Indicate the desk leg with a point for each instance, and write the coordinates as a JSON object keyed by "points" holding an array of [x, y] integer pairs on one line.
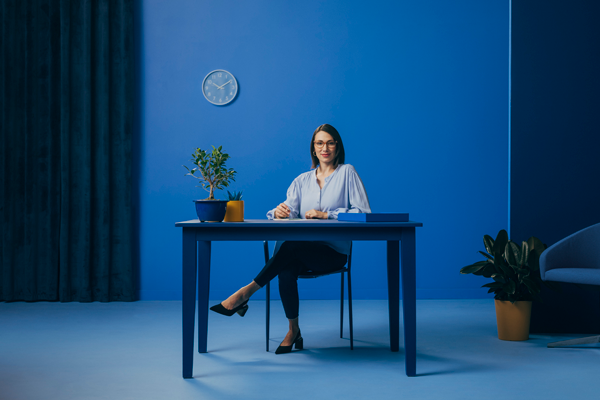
{"points": [[393, 277], [189, 300], [203, 288], [409, 299]]}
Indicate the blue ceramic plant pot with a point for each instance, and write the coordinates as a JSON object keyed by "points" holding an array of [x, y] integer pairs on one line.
{"points": [[211, 210]]}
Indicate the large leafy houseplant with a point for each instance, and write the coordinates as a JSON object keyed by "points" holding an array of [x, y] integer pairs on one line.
{"points": [[210, 170], [514, 269]]}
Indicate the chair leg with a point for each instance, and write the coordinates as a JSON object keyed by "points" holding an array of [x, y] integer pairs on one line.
{"points": [[342, 308], [571, 342], [268, 316], [350, 311], [268, 293]]}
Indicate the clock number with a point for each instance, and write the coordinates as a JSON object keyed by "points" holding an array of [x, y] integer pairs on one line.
{"points": [[209, 81], [214, 97], [220, 100], [226, 97], [231, 93], [220, 75], [209, 93], [226, 76]]}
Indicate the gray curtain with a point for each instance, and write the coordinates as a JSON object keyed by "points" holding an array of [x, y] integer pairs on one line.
{"points": [[66, 100]]}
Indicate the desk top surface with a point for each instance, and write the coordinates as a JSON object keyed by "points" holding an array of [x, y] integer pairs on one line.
{"points": [[299, 223]]}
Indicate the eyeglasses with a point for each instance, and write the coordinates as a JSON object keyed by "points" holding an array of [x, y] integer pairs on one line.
{"points": [[330, 144]]}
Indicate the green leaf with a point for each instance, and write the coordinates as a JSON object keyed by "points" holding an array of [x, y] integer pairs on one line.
{"points": [[500, 244], [486, 255], [533, 286], [488, 243], [524, 253], [523, 273], [469, 269], [510, 287], [503, 268], [495, 285], [512, 253], [536, 246], [537, 297], [212, 168], [535, 243], [488, 270]]}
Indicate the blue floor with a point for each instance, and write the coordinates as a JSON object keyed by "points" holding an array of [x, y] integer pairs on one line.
{"points": [[122, 351]]}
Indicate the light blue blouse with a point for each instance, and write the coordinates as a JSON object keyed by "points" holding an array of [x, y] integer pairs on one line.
{"points": [[343, 192]]}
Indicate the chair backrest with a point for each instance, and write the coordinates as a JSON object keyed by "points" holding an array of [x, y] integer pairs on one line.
{"points": [[578, 250]]}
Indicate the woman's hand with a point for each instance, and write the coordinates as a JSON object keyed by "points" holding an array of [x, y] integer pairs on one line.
{"points": [[314, 214], [282, 211]]}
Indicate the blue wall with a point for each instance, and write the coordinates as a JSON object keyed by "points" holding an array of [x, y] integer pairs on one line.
{"points": [[555, 130], [555, 141], [418, 91]]}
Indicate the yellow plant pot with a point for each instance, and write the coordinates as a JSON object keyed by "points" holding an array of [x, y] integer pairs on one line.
{"points": [[235, 211], [513, 319]]}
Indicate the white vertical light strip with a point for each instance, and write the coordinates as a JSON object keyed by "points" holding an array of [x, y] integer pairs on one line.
{"points": [[509, 102]]}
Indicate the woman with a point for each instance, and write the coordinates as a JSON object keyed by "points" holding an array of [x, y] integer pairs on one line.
{"points": [[329, 188]]}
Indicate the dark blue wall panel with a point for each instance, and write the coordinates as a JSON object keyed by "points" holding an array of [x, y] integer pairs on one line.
{"points": [[555, 140], [418, 91]]}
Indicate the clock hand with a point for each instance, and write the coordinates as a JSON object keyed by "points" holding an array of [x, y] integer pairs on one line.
{"points": [[216, 85], [223, 85]]}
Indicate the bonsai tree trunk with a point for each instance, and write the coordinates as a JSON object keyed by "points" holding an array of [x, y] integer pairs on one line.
{"points": [[211, 196]]}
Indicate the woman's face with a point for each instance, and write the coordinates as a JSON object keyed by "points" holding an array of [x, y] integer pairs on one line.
{"points": [[327, 152]]}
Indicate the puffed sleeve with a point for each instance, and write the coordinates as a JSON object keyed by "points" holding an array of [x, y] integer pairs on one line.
{"points": [[292, 201], [359, 201]]}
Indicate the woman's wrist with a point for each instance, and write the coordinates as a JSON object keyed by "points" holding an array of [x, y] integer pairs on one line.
{"points": [[324, 215]]}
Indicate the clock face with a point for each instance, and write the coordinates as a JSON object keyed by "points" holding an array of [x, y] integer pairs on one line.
{"points": [[219, 87]]}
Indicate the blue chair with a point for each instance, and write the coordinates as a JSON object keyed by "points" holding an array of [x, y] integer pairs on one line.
{"points": [[310, 275], [575, 259]]}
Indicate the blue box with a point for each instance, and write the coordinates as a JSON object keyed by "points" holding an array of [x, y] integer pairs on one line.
{"points": [[373, 217]]}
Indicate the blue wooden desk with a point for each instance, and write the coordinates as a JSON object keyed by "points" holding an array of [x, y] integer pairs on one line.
{"points": [[197, 238]]}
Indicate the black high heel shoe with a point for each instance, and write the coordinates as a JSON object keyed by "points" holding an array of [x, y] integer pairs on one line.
{"points": [[298, 341], [241, 309]]}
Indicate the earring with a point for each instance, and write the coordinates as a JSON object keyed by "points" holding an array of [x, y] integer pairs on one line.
{"points": [[314, 153]]}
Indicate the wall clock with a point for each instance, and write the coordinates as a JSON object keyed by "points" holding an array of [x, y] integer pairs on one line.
{"points": [[219, 87]]}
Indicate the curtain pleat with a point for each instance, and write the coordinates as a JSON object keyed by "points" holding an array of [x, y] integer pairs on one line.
{"points": [[67, 113]]}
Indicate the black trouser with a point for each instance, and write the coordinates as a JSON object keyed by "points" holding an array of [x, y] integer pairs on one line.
{"points": [[298, 258]]}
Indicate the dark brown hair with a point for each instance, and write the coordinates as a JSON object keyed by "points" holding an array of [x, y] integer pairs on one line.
{"points": [[340, 154]]}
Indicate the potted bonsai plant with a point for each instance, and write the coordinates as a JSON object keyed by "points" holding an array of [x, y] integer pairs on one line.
{"points": [[235, 207], [212, 173], [516, 282]]}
